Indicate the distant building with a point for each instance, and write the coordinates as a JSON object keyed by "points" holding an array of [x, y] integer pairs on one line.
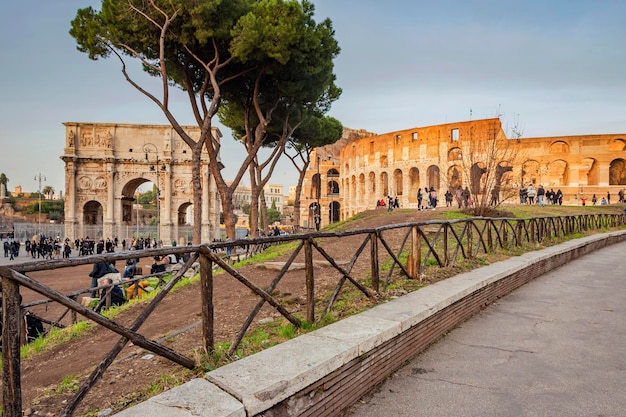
{"points": [[321, 186], [273, 194], [350, 176], [292, 194]]}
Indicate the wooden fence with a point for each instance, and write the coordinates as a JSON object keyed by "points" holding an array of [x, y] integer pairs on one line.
{"points": [[395, 250]]}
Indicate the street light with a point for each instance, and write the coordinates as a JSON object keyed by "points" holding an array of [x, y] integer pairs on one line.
{"points": [[318, 213], [319, 185], [39, 178]]}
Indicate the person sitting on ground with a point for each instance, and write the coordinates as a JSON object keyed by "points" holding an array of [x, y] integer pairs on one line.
{"points": [[117, 295], [99, 270], [158, 265], [131, 267]]}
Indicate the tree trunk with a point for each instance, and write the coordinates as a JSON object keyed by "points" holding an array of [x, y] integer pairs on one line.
{"points": [[296, 202], [263, 211], [229, 215], [254, 202], [196, 177]]}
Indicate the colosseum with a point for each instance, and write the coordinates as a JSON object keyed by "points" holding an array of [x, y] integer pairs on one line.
{"points": [[352, 175]]}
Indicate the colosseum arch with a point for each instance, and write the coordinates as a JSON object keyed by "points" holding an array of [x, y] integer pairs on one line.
{"points": [[332, 186], [361, 191], [372, 184], [105, 164], [477, 173], [334, 212], [316, 187], [455, 177], [397, 182], [559, 147], [455, 154], [530, 172], [589, 170], [558, 173], [384, 184], [617, 172], [434, 177]]}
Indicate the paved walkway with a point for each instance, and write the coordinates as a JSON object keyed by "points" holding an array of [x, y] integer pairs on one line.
{"points": [[555, 347], [18, 260]]}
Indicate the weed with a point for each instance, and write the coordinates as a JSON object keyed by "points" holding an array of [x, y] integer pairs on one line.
{"points": [[69, 384]]}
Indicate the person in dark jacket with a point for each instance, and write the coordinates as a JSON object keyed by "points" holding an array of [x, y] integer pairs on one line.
{"points": [[117, 295], [99, 270]]}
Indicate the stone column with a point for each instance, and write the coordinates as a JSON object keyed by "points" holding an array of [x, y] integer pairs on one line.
{"points": [[70, 199], [166, 210], [604, 169], [109, 220]]}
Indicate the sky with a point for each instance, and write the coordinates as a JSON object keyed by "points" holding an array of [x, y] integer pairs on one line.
{"points": [[553, 68]]}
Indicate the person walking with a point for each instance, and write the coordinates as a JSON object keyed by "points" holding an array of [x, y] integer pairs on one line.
{"points": [[448, 198], [531, 193], [459, 196], [433, 197], [420, 197], [541, 192]]}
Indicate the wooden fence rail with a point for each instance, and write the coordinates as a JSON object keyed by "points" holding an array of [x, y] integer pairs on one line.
{"points": [[399, 249]]}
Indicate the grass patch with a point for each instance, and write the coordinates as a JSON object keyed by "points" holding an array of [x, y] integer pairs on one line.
{"points": [[68, 385], [55, 337]]}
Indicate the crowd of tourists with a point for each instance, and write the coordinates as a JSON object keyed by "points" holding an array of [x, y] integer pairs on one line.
{"points": [[48, 247], [40, 247], [427, 198]]}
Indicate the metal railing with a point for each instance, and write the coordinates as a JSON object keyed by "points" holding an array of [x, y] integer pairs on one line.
{"points": [[396, 251]]}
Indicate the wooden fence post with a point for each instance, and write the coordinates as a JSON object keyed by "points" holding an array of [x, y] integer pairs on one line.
{"points": [[414, 267], [310, 281], [206, 290], [505, 236], [446, 259], [374, 261], [12, 322], [470, 249], [73, 315]]}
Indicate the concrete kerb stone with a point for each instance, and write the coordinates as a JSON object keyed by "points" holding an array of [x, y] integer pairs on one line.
{"points": [[268, 377], [260, 381], [197, 398]]}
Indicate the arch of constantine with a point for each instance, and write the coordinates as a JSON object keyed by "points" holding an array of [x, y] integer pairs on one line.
{"points": [[348, 179], [105, 164]]}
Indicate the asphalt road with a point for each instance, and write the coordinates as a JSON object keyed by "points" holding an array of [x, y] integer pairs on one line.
{"points": [[555, 347]]}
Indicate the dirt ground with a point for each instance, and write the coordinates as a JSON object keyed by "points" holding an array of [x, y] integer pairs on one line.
{"points": [[42, 376]]}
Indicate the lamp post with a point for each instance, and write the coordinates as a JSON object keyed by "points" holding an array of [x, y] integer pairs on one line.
{"points": [[318, 213], [149, 148], [39, 178]]}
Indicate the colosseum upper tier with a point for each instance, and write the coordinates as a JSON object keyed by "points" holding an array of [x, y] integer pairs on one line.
{"points": [[371, 167]]}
